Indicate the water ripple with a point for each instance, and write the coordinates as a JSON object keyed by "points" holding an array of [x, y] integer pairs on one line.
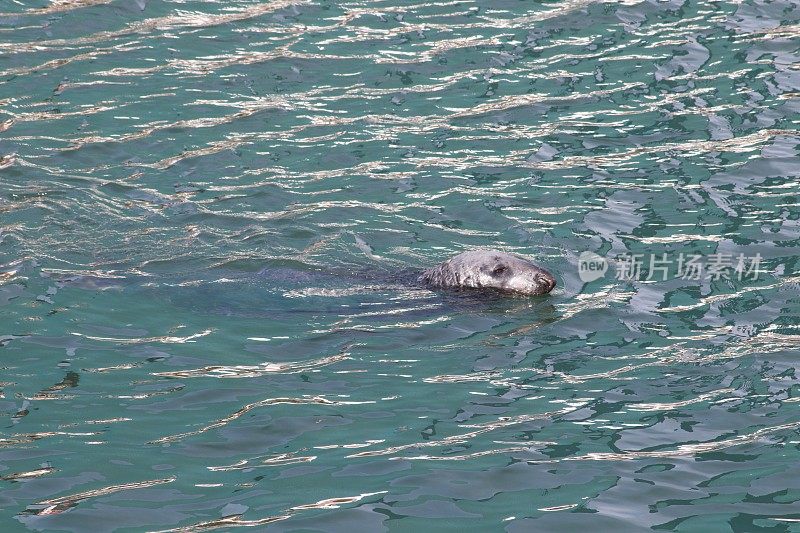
{"points": [[213, 216]]}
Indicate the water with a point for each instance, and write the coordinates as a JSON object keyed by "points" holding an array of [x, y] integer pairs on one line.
{"points": [[204, 208]]}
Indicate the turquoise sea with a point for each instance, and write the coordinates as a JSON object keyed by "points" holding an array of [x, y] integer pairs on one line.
{"points": [[211, 217]]}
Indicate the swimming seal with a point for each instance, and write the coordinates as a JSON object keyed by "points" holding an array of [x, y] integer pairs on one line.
{"points": [[490, 269]]}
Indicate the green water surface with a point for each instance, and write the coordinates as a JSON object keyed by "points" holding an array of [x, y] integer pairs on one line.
{"points": [[205, 207]]}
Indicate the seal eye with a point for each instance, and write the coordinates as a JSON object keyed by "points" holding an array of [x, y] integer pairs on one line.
{"points": [[498, 270]]}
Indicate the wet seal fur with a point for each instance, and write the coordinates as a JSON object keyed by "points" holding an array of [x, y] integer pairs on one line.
{"points": [[490, 269]]}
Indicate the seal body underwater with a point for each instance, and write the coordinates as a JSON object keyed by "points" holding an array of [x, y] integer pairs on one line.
{"points": [[320, 291], [490, 269]]}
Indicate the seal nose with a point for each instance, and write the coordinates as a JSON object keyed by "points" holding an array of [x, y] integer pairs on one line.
{"points": [[548, 281]]}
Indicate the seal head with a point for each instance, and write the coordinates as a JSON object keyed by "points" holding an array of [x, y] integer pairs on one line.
{"points": [[490, 269]]}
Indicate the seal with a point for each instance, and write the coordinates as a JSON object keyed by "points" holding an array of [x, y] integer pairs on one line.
{"points": [[490, 269]]}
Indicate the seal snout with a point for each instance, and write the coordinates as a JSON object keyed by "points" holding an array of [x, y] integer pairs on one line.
{"points": [[546, 281]]}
